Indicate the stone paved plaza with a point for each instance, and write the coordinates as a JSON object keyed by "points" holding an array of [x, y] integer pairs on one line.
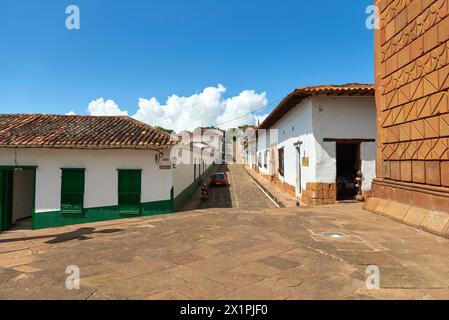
{"points": [[228, 254]]}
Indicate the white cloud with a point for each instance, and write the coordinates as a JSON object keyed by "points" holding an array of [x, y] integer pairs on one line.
{"points": [[238, 110], [70, 113], [207, 108], [101, 107]]}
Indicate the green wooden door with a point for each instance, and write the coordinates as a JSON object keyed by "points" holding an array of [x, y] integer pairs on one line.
{"points": [[129, 190], [6, 180]]}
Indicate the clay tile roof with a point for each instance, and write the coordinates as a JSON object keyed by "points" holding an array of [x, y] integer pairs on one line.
{"points": [[59, 131], [299, 95]]}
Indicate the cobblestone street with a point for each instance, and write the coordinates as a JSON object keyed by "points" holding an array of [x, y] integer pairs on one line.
{"points": [[242, 193]]}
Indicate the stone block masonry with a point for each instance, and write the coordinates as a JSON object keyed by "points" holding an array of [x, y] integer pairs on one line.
{"points": [[317, 194], [280, 185], [412, 98]]}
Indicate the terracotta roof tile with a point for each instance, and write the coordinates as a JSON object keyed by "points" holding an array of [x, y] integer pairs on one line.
{"points": [[59, 131], [299, 95]]}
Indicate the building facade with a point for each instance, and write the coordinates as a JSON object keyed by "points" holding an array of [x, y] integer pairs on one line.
{"points": [[194, 155], [62, 170], [315, 142], [412, 83], [249, 142]]}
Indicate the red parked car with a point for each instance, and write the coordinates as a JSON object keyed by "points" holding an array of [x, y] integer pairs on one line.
{"points": [[219, 179]]}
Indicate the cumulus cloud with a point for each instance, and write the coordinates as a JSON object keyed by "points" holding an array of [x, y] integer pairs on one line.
{"points": [[207, 108], [70, 113], [236, 109], [102, 107]]}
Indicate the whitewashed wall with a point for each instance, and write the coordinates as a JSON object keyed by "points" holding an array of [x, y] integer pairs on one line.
{"points": [[265, 139], [182, 177], [295, 126], [101, 178], [184, 172], [312, 121], [344, 118], [368, 155]]}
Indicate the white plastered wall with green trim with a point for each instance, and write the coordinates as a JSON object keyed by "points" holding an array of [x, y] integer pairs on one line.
{"points": [[101, 178]]}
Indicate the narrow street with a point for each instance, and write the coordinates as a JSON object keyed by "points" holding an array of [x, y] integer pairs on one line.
{"points": [[242, 192]]}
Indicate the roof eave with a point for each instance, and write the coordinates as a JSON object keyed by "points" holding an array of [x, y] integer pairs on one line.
{"points": [[87, 147], [298, 96]]}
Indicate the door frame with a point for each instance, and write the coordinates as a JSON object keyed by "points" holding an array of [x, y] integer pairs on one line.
{"points": [[5, 216]]}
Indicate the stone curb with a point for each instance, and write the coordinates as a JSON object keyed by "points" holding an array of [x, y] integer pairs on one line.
{"points": [[434, 222], [256, 180]]}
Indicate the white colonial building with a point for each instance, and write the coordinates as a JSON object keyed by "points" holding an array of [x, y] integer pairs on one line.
{"points": [[61, 170], [318, 141]]}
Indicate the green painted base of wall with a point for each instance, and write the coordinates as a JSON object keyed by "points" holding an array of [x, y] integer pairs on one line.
{"points": [[42, 220], [180, 201]]}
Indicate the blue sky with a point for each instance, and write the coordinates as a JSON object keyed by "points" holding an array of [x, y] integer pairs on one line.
{"points": [[126, 50]]}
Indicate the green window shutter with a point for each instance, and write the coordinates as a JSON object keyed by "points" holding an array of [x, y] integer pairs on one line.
{"points": [[129, 190], [72, 190]]}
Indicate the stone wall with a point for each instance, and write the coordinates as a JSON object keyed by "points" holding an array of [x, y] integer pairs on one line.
{"points": [[317, 194], [280, 185], [412, 83]]}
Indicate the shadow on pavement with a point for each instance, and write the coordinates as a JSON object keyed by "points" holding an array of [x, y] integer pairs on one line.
{"points": [[80, 234]]}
